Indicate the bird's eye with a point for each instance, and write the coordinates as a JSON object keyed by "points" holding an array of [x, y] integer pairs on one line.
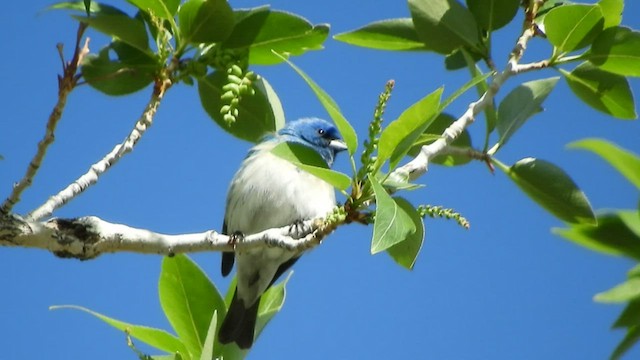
{"points": [[320, 131]]}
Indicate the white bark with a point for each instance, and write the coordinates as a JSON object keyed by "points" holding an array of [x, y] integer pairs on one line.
{"points": [[88, 237]]}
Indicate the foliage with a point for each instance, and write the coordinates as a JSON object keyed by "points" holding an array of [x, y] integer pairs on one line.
{"points": [[209, 43]]}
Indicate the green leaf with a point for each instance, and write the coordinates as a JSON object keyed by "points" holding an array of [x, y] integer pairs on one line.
{"points": [[87, 7], [445, 25], [206, 21], [256, 117], [164, 9], [391, 34], [612, 12], [520, 104], [119, 26], [627, 291], [189, 300], [392, 224], [95, 8], [263, 31], [617, 50], [626, 162], [434, 132], [456, 60], [406, 252], [398, 137], [630, 339], [271, 303], [573, 27], [133, 71], [493, 14], [157, 338], [310, 161], [602, 90], [617, 233], [553, 189], [346, 130], [630, 316], [210, 340]]}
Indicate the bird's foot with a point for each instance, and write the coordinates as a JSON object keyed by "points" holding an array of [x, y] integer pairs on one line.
{"points": [[235, 238], [298, 229]]}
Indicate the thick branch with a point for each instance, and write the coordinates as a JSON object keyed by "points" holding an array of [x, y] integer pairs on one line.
{"points": [[66, 83], [88, 237], [419, 165], [97, 169]]}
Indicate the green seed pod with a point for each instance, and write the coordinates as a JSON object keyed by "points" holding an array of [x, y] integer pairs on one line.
{"points": [[225, 109], [227, 96], [235, 102], [235, 88], [234, 79], [229, 119], [234, 112], [235, 70]]}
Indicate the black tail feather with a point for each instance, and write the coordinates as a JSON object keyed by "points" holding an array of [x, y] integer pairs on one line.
{"points": [[239, 324]]}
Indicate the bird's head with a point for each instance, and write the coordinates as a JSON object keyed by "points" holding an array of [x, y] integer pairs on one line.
{"points": [[318, 134]]}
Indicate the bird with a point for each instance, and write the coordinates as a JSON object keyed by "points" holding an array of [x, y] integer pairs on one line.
{"points": [[270, 192]]}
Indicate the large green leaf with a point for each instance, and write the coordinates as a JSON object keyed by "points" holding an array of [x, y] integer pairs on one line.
{"points": [[627, 291], [119, 26], [310, 161], [270, 304], [573, 27], [630, 339], [617, 50], [553, 189], [256, 116], [398, 137], [630, 316], [445, 25], [164, 9], [346, 130], [406, 252], [612, 12], [520, 104], [617, 233], [133, 71], [210, 340], [157, 338], [390, 34], [263, 31], [602, 90], [626, 162], [95, 7], [189, 300], [206, 21], [493, 14], [393, 224]]}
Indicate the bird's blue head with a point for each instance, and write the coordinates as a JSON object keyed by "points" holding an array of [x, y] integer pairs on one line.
{"points": [[318, 134]]}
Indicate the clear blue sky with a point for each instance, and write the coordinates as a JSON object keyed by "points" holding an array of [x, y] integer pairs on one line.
{"points": [[505, 289]]}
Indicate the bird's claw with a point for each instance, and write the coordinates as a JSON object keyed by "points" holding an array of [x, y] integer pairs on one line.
{"points": [[235, 238], [298, 229]]}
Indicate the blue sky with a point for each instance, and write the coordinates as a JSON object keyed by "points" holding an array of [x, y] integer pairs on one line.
{"points": [[505, 289]]}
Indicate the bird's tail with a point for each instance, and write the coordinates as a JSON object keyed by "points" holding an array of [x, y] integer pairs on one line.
{"points": [[239, 324]]}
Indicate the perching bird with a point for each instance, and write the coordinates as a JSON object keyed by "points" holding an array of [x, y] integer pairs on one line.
{"points": [[269, 192]]}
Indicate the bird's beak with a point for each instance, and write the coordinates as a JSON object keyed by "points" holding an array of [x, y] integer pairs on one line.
{"points": [[337, 145]]}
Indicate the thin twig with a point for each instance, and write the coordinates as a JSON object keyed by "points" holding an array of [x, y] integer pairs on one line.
{"points": [[419, 165], [97, 169], [66, 83]]}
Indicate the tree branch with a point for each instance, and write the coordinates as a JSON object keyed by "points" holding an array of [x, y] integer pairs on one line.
{"points": [[88, 237], [419, 165], [97, 169], [66, 83]]}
